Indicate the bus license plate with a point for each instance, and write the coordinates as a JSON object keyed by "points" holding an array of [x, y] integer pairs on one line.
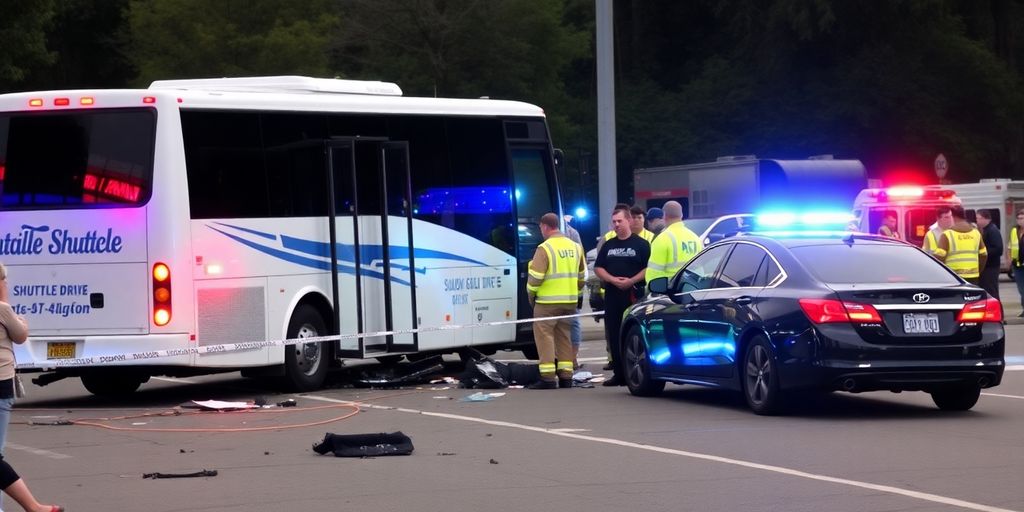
{"points": [[921, 323], [60, 350]]}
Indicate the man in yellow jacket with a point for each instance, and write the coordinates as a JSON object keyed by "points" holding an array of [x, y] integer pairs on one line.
{"points": [[943, 221], [1016, 263], [674, 246], [962, 248], [556, 277]]}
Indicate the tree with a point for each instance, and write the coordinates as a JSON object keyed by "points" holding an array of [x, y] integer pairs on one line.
{"points": [[197, 38], [23, 28]]}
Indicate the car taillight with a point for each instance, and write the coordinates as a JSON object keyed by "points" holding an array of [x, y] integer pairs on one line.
{"points": [[827, 311], [161, 294], [988, 310]]}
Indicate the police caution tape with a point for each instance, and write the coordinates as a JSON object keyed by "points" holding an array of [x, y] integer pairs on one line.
{"points": [[255, 345]]}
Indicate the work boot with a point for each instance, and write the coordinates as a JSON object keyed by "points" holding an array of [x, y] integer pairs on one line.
{"points": [[614, 381], [564, 383], [543, 384], [607, 367], [1020, 315]]}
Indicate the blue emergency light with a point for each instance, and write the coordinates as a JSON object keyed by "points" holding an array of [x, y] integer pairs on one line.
{"points": [[809, 223]]}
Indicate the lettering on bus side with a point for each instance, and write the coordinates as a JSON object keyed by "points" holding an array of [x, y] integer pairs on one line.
{"points": [[28, 241]]}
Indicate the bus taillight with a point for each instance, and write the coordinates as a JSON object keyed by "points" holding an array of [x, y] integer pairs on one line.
{"points": [[161, 294]]}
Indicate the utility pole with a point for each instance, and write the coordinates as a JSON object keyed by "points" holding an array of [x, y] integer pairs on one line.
{"points": [[607, 187]]}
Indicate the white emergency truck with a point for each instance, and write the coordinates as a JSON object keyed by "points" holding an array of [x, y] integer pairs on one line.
{"points": [[914, 207]]}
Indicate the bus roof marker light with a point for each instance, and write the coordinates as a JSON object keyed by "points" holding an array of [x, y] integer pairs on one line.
{"points": [[87, 100], [61, 102], [149, 100], [35, 102]]}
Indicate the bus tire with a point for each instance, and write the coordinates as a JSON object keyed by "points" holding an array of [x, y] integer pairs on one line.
{"points": [[112, 385], [305, 364]]}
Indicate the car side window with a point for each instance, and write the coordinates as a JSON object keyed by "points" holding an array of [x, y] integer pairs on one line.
{"points": [[699, 273], [726, 226], [767, 274], [742, 267]]}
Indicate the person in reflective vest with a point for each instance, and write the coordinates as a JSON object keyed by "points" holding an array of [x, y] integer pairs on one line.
{"points": [[1016, 265], [636, 224], [962, 248], [943, 221], [674, 246], [556, 278], [890, 227]]}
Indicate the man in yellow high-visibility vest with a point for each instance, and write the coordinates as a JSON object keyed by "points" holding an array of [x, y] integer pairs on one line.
{"points": [[674, 246], [556, 277], [1016, 263], [962, 248], [943, 221]]}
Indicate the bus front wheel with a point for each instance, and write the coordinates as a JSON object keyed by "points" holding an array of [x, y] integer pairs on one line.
{"points": [[305, 364]]}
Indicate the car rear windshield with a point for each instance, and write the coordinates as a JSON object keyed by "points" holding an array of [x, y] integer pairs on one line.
{"points": [[76, 159], [865, 262]]}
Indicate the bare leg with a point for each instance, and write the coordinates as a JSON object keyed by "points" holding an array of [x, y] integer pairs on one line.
{"points": [[19, 491]]}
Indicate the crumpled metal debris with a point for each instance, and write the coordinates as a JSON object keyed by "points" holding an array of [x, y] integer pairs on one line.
{"points": [[401, 374]]}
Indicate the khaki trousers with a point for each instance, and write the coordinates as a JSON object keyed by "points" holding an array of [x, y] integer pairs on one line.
{"points": [[553, 341]]}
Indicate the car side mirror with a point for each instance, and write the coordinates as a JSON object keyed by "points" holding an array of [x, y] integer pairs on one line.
{"points": [[658, 286]]}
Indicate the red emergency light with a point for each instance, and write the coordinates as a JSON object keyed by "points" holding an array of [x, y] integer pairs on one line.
{"points": [[910, 193], [904, 191]]}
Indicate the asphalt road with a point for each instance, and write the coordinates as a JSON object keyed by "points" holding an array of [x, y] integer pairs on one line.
{"points": [[580, 449]]}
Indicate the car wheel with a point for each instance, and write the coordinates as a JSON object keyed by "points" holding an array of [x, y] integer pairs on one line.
{"points": [[761, 378], [305, 364], [960, 399], [638, 366]]}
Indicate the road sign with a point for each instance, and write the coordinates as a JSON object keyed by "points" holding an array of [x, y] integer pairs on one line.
{"points": [[941, 166]]}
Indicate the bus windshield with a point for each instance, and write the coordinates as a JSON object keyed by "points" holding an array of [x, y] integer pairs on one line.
{"points": [[76, 159]]}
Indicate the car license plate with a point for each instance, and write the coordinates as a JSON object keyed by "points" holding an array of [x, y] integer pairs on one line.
{"points": [[921, 323], [60, 350]]}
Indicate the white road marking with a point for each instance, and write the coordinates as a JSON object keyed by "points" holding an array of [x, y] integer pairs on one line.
{"points": [[1004, 396], [924, 496], [38, 451], [1015, 368]]}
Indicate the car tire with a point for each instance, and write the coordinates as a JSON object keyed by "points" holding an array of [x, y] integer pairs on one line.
{"points": [[305, 364], [638, 365], [959, 399], [761, 378]]}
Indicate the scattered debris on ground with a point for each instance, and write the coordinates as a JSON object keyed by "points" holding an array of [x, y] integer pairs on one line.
{"points": [[197, 474], [365, 445]]}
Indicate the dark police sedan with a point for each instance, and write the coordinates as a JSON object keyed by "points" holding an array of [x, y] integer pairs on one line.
{"points": [[768, 315]]}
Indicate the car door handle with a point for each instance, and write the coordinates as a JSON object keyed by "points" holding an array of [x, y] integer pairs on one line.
{"points": [[744, 300]]}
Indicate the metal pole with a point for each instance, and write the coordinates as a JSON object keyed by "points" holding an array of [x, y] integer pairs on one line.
{"points": [[606, 169]]}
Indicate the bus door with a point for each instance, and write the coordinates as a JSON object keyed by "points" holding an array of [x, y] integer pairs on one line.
{"points": [[372, 253]]}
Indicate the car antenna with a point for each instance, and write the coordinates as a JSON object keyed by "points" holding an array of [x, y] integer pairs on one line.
{"points": [[849, 238]]}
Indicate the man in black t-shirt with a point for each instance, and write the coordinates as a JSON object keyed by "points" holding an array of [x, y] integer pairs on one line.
{"points": [[621, 263]]}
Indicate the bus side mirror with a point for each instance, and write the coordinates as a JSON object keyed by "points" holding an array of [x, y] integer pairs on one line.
{"points": [[658, 286], [559, 156]]}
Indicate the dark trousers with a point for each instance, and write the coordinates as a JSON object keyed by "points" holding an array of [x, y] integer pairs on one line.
{"points": [[613, 310], [990, 280]]}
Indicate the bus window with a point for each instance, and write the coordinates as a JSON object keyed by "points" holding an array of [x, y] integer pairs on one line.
{"points": [[480, 183], [81, 159], [225, 165], [533, 197]]}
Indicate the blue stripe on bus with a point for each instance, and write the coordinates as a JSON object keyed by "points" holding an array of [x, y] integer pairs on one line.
{"points": [[368, 253], [247, 230], [304, 261]]}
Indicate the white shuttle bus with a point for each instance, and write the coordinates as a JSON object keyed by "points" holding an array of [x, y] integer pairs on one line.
{"points": [[202, 212]]}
